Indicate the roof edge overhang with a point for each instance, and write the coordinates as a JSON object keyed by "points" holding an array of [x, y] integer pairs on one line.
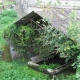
{"points": [[27, 19]]}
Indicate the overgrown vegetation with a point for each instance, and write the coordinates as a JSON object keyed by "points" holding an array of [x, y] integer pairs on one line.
{"points": [[67, 77], [74, 33], [7, 18], [54, 41], [19, 71], [21, 37], [50, 66], [46, 43], [58, 42]]}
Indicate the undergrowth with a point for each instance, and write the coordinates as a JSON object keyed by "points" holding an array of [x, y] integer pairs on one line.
{"points": [[19, 71], [67, 77], [50, 66], [7, 18]]}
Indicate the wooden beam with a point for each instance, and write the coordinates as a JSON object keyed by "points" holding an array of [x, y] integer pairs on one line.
{"points": [[50, 71], [37, 24], [37, 59]]}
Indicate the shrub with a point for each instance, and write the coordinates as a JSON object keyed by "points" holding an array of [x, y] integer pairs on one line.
{"points": [[54, 42], [7, 17], [74, 33]]}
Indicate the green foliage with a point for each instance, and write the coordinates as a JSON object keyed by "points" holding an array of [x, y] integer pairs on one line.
{"points": [[19, 71], [78, 67], [74, 33], [50, 66], [74, 28], [21, 37], [66, 77], [54, 41], [6, 53], [7, 17], [57, 42]]}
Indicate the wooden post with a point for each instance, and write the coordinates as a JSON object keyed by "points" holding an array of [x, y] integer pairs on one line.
{"points": [[53, 77], [31, 22], [3, 4]]}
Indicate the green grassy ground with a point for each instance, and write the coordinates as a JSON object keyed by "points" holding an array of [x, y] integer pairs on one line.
{"points": [[66, 75], [17, 70], [7, 17]]}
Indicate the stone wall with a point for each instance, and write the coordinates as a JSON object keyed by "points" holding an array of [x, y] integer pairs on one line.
{"points": [[32, 5], [26, 5]]}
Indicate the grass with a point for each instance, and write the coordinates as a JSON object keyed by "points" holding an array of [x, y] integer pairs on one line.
{"points": [[7, 18], [44, 66], [17, 70], [66, 76]]}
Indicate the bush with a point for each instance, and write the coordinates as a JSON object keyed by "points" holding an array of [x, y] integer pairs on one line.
{"points": [[8, 17], [74, 33], [9, 13]]}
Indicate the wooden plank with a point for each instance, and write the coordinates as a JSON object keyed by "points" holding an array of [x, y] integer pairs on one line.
{"points": [[50, 71], [37, 59], [59, 69]]}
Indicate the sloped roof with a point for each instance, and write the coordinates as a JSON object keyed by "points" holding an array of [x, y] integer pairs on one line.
{"points": [[57, 17], [27, 19]]}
